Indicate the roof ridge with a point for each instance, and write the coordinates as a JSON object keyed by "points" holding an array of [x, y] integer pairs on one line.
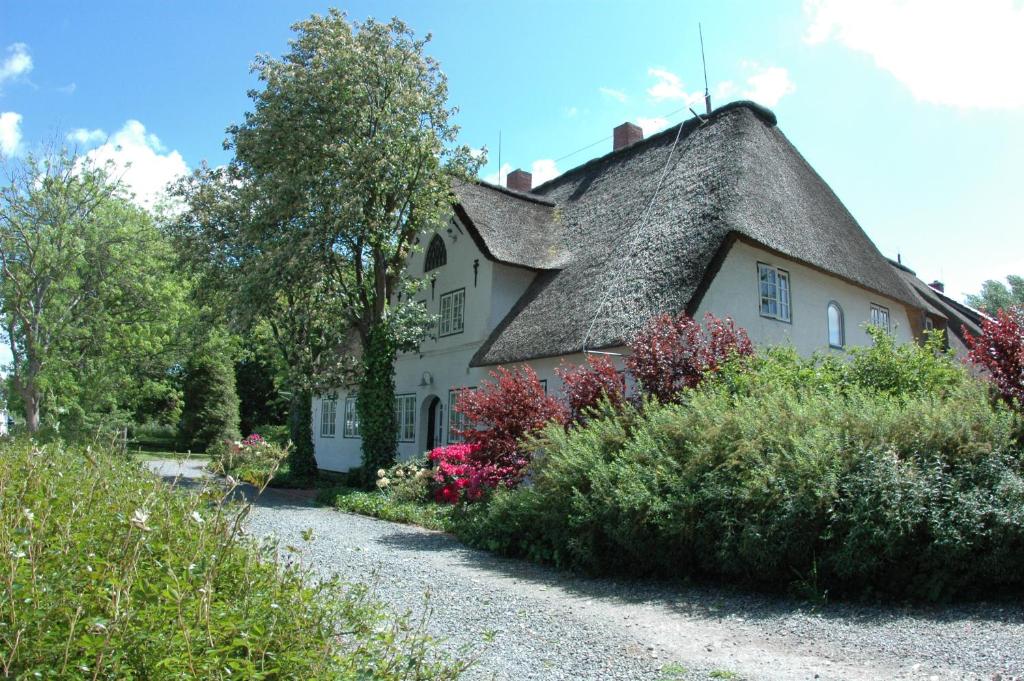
{"points": [[542, 200], [764, 114]]}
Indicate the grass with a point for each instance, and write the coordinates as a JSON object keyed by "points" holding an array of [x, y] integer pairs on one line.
{"points": [[109, 573], [378, 505], [140, 455]]}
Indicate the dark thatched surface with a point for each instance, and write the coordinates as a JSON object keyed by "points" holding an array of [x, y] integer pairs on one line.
{"points": [[516, 228], [959, 317], [737, 175]]}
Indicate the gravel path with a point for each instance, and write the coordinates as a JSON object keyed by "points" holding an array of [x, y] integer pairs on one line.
{"points": [[549, 625]]}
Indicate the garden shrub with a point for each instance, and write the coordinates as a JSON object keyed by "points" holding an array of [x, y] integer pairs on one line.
{"points": [[110, 573], [252, 460], [670, 354], [585, 386], [408, 481], [500, 414], [784, 470], [999, 350]]}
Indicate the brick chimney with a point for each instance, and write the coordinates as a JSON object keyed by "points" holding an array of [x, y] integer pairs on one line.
{"points": [[626, 134], [938, 286], [520, 180]]}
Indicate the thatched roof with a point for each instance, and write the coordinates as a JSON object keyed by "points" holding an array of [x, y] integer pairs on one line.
{"points": [[960, 319], [735, 176]]}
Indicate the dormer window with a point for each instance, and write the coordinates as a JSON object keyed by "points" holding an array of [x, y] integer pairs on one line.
{"points": [[437, 254]]}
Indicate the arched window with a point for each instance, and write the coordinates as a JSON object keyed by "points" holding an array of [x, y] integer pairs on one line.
{"points": [[836, 330], [437, 255]]}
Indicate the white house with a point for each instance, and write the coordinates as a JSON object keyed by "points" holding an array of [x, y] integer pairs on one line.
{"points": [[722, 216]]}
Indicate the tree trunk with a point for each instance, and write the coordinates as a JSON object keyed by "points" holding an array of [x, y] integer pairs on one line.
{"points": [[32, 400], [300, 426], [375, 404]]}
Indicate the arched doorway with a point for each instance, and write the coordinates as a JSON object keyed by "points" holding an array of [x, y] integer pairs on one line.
{"points": [[435, 422]]}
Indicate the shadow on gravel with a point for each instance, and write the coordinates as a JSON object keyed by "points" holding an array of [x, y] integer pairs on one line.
{"points": [[703, 601]]}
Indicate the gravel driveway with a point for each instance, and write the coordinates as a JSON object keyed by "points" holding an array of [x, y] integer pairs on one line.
{"points": [[543, 624]]}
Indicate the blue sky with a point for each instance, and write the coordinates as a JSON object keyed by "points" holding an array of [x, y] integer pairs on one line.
{"points": [[912, 111]]}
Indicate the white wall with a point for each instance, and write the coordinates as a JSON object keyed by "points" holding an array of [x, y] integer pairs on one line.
{"points": [[734, 293]]}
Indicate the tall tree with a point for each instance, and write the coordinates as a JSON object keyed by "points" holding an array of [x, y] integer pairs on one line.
{"points": [[87, 300], [252, 273], [352, 138], [995, 295], [347, 155]]}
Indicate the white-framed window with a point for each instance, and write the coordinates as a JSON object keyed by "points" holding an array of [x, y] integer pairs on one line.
{"points": [[773, 289], [456, 419], [453, 305], [328, 416], [350, 428], [880, 316], [405, 417], [836, 326]]}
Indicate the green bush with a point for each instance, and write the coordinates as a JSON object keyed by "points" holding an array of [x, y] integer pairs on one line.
{"points": [[856, 477], [210, 412], [381, 505], [109, 573], [406, 481]]}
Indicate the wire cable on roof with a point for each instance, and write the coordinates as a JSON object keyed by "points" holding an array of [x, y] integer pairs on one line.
{"points": [[638, 231], [605, 139]]}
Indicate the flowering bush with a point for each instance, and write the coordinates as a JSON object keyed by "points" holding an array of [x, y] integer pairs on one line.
{"points": [[1000, 351], [499, 415], [406, 481], [673, 353], [252, 460], [461, 474], [586, 384]]}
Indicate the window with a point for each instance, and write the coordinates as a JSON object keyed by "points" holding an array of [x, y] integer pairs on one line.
{"points": [[773, 286], [351, 426], [437, 254], [544, 384], [405, 417], [836, 327], [456, 419], [880, 316], [452, 307], [328, 416]]}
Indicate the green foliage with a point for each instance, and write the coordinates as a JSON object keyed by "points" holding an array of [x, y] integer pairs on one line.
{"points": [[375, 405], [995, 295], [406, 481], [109, 573], [893, 473], [301, 459], [252, 460], [89, 300], [386, 507], [210, 413]]}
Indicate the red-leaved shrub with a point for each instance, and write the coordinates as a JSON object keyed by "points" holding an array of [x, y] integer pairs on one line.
{"points": [[673, 353], [499, 414], [1000, 351], [585, 385]]}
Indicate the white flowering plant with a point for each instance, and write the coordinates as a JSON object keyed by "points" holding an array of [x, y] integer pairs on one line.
{"points": [[406, 481]]}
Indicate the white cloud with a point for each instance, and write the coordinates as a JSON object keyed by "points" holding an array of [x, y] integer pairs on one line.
{"points": [[617, 95], [652, 125], [136, 157], [571, 112], [670, 87], [495, 178], [87, 138], [543, 170], [68, 89], [724, 90], [768, 85], [948, 52], [17, 63], [10, 133]]}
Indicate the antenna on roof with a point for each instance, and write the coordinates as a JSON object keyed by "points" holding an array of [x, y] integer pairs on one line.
{"points": [[707, 92]]}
